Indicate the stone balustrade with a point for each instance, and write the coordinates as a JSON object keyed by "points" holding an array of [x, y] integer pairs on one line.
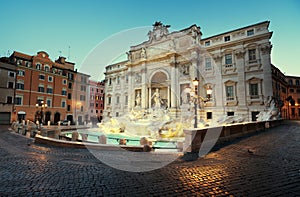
{"points": [[194, 138]]}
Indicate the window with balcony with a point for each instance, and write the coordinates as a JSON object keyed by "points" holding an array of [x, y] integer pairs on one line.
{"points": [[229, 92], [228, 59]]}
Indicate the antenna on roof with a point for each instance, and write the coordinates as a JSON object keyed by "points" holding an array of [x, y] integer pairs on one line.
{"points": [[69, 52], [8, 52]]}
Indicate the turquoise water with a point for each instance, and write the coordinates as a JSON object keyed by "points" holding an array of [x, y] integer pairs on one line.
{"points": [[113, 138]]}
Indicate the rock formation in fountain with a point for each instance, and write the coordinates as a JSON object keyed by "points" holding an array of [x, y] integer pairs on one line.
{"points": [[271, 112]]}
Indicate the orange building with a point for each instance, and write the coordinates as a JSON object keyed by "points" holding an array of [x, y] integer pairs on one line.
{"points": [[42, 88]]}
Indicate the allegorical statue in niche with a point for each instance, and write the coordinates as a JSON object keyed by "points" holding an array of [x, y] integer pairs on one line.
{"points": [[185, 95], [138, 99], [156, 98]]}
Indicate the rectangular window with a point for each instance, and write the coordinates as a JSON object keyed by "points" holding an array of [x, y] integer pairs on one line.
{"points": [[10, 85], [69, 108], [21, 73], [254, 115], [50, 78], [117, 114], [230, 113], [69, 96], [109, 100], [292, 90], [70, 76], [20, 86], [18, 100], [228, 59], [83, 88], [97, 105], [227, 38], [64, 92], [298, 101], [207, 43], [91, 104], [252, 55], [208, 115], [63, 104], [126, 100], [41, 89], [49, 90], [229, 93], [9, 99], [81, 108], [207, 63], [254, 91], [70, 85], [11, 74], [118, 99], [82, 97], [49, 102], [42, 77], [250, 32], [297, 82]]}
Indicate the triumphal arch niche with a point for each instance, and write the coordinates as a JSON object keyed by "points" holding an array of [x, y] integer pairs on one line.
{"points": [[161, 67]]}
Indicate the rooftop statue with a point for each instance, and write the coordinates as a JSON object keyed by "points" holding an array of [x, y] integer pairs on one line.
{"points": [[159, 31]]}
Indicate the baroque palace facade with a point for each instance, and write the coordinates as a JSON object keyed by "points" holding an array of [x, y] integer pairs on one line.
{"points": [[234, 70]]}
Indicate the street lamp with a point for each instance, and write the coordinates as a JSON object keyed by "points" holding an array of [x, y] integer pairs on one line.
{"points": [[196, 83], [42, 106]]}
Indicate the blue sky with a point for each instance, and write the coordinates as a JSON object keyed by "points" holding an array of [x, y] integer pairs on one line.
{"points": [[30, 26]]}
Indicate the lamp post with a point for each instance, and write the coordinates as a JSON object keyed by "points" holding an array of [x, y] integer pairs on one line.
{"points": [[196, 83], [42, 106]]}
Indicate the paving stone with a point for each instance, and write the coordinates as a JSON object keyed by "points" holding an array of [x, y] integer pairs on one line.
{"points": [[273, 170]]}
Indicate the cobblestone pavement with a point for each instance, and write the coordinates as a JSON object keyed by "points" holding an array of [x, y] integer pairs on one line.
{"points": [[272, 170]]}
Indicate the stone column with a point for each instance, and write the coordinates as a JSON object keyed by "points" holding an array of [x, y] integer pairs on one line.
{"points": [[130, 89], [267, 69], [174, 86], [144, 87], [241, 90]]}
